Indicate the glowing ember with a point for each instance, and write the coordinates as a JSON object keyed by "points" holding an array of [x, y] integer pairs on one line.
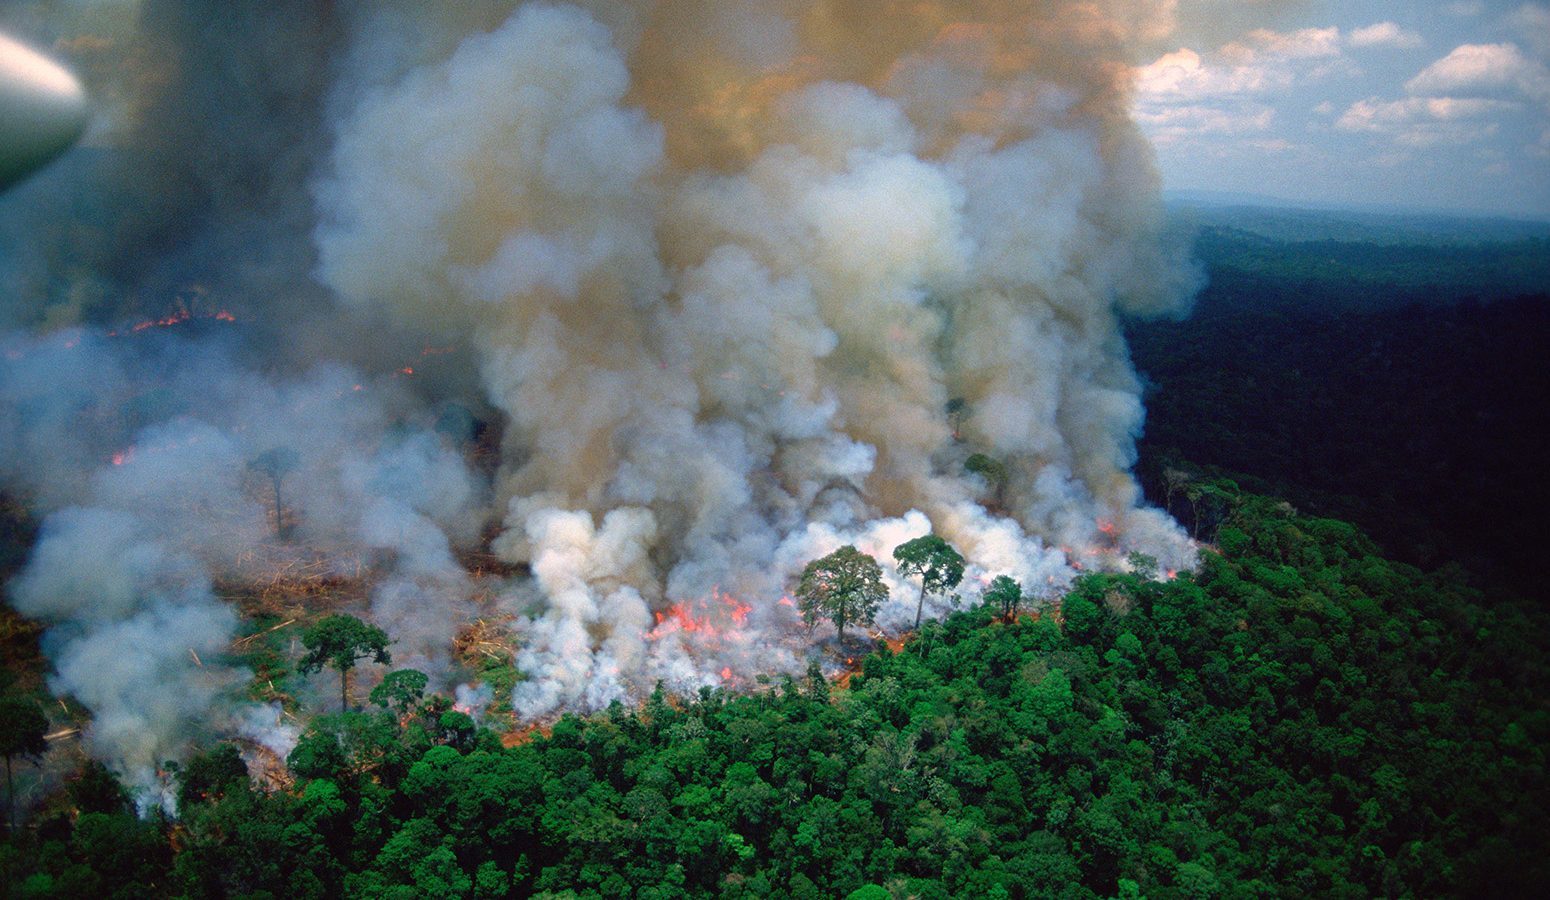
{"points": [[726, 673], [128, 454], [180, 316]]}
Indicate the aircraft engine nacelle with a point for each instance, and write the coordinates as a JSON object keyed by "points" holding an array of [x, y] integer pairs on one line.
{"points": [[42, 110]]}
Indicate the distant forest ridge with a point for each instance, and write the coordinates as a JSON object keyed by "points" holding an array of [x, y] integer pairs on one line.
{"points": [[1297, 224], [1398, 386], [1351, 262]]}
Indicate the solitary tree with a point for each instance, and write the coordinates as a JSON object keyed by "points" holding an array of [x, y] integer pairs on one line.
{"points": [[276, 463], [1005, 593], [846, 586], [339, 642], [939, 566], [22, 726]]}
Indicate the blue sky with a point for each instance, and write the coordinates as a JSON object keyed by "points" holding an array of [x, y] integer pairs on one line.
{"points": [[1426, 105]]}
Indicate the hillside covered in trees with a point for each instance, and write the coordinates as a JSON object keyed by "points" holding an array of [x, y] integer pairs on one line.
{"points": [[1300, 717], [1410, 404]]}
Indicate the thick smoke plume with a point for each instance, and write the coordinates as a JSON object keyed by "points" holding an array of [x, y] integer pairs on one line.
{"points": [[735, 283]]}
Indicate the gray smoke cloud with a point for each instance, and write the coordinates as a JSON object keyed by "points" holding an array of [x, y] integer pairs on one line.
{"points": [[156, 529], [724, 297], [734, 284]]}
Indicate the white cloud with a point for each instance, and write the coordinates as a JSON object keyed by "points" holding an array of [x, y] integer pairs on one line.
{"points": [[1264, 60], [1465, 8], [1184, 75], [1531, 23], [1171, 124], [1426, 121], [1385, 34], [1265, 45], [1374, 114], [1187, 96], [1483, 70]]}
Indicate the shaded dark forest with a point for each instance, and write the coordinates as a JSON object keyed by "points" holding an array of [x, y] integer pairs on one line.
{"points": [[1377, 384]]}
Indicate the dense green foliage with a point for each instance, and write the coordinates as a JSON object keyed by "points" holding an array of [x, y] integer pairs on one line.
{"points": [[340, 642], [1300, 717], [846, 587], [1364, 264], [939, 566], [1003, 593]]}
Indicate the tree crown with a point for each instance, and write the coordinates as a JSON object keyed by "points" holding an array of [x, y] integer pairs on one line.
{"points": [[339, 641], [939, 566], [22, 726], [847, 586], [1005, 593]]}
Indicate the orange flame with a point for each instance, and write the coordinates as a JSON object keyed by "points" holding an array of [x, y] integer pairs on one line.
{"points": [[177, 317], [708, 619]]}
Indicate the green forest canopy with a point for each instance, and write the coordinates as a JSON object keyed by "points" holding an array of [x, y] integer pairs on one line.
{"points": [[1301, 716]]}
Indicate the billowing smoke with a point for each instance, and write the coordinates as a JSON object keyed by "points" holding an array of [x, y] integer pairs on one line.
{"points": [[734, 283], [158, 528], [748, 281]]}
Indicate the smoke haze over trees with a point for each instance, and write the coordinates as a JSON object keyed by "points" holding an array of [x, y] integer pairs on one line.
{"points": [[553, 342], [648, 304]]}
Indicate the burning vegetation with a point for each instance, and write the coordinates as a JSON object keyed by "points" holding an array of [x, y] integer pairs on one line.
{"points": [[559, 345]]}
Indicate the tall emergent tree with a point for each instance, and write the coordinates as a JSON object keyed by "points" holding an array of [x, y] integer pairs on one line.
{"points": [[846, 586], [22, 726], [1005, 593], [276, 463], [939, 566], [340, 641]]}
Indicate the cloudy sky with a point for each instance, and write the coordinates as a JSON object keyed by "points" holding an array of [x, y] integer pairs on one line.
{"points": [[1432, 104], [1427, 104]]}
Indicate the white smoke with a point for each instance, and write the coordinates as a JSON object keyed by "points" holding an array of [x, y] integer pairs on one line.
{"points": [[724, 325], [735, 284], [159, 526]]}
